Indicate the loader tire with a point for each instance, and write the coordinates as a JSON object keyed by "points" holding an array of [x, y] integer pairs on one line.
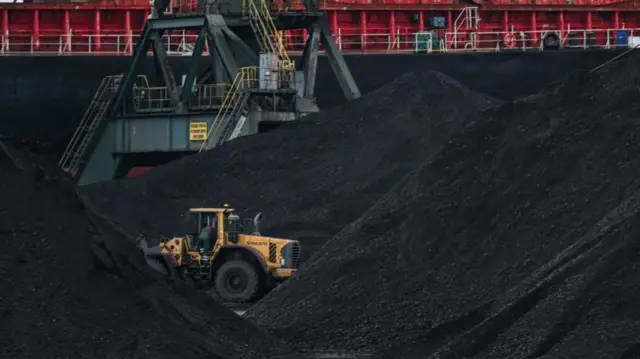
{"points": [[237, 281]]}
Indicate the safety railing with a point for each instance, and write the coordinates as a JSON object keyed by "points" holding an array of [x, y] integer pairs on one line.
{"points": [[157, 98], [77, 43], [381, 41], [247, 78], [283, 77], [270, 38], [206, 96], [260, 26], [236, 90], [541, 40], [349, 40], [73, 156], [151, 98]]}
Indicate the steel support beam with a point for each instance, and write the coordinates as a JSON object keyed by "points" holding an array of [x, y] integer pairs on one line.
{"points": [[224, 57], [160, 6], [219, 44], [309, 62], [213, 30], [124, 90], [242, 49], [187, 88], [163, 67], [177, 22], [339, 66], [152, 32], [209, 6], [311, 5], [230, 43]]}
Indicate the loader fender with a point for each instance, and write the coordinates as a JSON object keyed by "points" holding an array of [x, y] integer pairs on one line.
{"points": [[236, 252]]}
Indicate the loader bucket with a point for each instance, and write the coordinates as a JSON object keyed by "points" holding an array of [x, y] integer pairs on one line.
{"points": [[156, 260], [161, 264]]}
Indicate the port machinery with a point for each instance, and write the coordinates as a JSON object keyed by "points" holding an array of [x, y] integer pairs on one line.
{"points": [[239, 78], [111, 27]]}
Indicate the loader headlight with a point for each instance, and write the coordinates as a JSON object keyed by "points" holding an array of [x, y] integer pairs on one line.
{"points": [[282, 262]]}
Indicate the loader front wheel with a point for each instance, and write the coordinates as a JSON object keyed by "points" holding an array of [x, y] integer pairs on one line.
{"points": [[237, 281]]}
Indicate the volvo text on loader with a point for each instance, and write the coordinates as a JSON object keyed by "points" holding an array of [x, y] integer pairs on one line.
{"points": [[225, 253]]}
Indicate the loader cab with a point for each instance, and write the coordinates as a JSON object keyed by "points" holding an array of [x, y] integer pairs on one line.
{"points": [[206, 220], [222, 220]]}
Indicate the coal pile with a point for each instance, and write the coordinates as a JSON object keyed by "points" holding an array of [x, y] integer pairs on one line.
{"points": [[520, 240], [73, 287], [310, 178]]}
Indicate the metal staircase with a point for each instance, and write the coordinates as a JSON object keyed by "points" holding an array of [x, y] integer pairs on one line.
{"points": [[74, 156], [233, 106], [236, 119], [232, 114], [271, 40], [229, 120]]}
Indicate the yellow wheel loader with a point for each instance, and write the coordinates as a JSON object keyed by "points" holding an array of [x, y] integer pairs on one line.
{"points": [[225, 253]]}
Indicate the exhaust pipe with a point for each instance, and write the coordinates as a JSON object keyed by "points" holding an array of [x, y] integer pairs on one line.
{"points": [[256, 224]]}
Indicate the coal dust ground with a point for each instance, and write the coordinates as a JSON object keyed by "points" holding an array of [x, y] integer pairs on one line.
{"points": [[73, 287], [310, 178], [520, 239]]}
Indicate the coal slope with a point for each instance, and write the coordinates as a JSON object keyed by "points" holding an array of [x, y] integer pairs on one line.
{"points": [[310, 178], [521, 239], [72, 287]]}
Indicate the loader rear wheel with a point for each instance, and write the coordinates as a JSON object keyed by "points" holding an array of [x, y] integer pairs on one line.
{"points": [[237, 281]]}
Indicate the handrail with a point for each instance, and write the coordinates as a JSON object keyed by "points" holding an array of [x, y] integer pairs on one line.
{"points": [[376, 40], [267, 31], [76, 43], [94, 113], [72, 157], [247, 78], [229, 100]]}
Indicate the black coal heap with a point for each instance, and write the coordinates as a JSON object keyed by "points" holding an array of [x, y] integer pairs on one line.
{"points": [[521, 238], [72, 286]]}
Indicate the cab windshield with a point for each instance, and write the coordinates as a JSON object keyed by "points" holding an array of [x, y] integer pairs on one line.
{"points": [[207, 220]]}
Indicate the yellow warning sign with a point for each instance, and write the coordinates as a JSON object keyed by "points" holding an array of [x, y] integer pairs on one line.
{"points": [[197, 131]]}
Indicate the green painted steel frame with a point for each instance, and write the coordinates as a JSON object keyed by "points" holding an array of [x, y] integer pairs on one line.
{"points": [[131, 135], [157, 27], [121, 135]]}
